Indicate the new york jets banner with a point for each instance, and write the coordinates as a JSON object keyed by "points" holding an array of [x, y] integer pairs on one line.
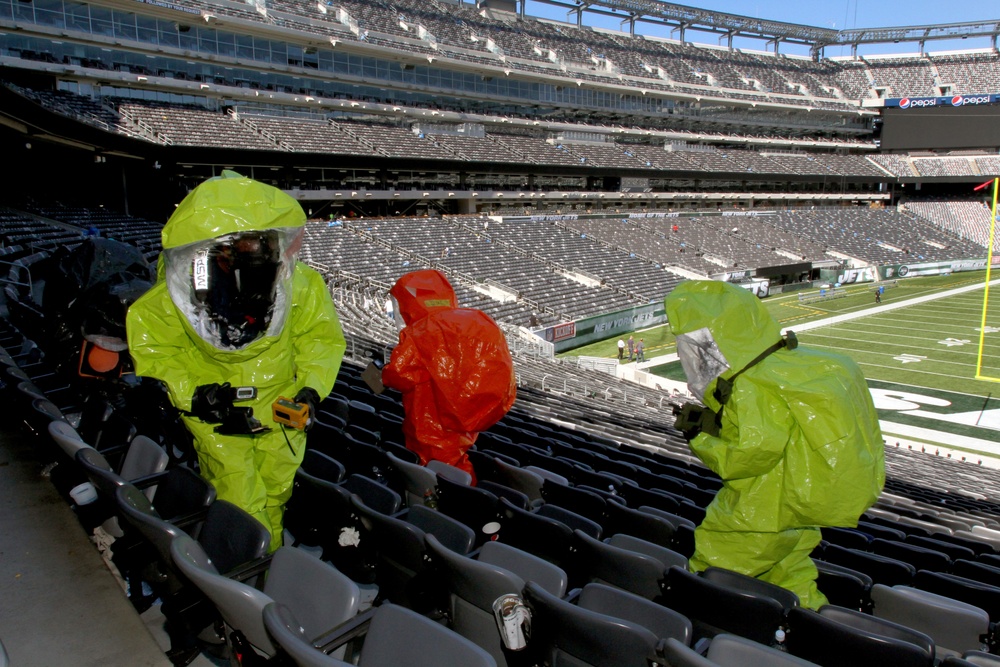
{"points": [[568, 335], [891, 271]]}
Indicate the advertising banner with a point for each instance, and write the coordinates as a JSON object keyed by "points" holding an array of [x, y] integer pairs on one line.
{"points": [[947, 101], [930, 268], [568, 335]]}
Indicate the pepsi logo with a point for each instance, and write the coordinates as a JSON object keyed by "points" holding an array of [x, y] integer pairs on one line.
{"points": [[957, 101], [906, 102]]}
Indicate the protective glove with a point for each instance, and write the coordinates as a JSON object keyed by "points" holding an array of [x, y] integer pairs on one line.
{"points": [[692, 419], [211, 403], [310, 397]]}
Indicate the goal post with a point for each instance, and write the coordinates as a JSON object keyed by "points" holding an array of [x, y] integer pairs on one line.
{"points": [[991, 373]]}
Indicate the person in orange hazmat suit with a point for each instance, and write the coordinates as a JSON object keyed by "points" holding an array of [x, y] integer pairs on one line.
{"points": [[452, 366]]}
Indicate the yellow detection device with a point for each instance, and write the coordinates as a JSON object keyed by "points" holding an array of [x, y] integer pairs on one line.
{"points": [[288, 412]]}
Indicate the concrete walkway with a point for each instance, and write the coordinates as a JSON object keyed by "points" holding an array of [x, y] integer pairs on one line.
{"points": [[61, 604]]}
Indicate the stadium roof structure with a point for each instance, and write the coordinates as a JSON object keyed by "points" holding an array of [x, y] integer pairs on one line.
{"points": [[682, 17]]}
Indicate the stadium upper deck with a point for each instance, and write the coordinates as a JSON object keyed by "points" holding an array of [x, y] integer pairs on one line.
{"points": [[450, 99], [440, 53]]}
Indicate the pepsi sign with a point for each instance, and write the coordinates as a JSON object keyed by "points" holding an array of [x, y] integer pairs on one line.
{"points": [[960, 100], [906, 102], [953, 101]]}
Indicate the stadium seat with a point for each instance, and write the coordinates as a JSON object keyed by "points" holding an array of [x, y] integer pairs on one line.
{"points": [[513, 496], [392, 636], [628, 569], [921, 558], [954, 626], [319, 596], [838, 637], [450, 472], [399, 543], [727, 650], [320, 465], [881, 569], [537, 534], [562, 632], [975, 593], [571, 519], [717, 608], [419, 482], [473, 585], [843, 586], [473, 506]]}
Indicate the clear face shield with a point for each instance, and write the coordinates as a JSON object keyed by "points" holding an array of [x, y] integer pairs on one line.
{"points": [[234, 289], [701, 359], [397, 317]]}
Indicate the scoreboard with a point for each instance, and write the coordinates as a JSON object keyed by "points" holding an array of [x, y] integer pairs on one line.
{"points": [[939, 123]]}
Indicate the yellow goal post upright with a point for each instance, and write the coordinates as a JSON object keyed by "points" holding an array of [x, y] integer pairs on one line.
{"points": [[986, 290]]}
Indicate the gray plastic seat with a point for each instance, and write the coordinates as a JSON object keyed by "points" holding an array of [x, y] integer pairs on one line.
{"points": [[229, 535], [399, 545], [571, 519], [678, 654], [751, 585], [143, 458], [46, 409], [526, 481], [843, 586], [566, 634], [66, 437], [419, 482], [395, 637], [661, 621], [547, 475], [666, 556], [840, 637], [474, 584], [716, 608], [621, 567], [447, 471], [318, 595], [732, 651], [675, 519], [982, 658], [954, 626]]}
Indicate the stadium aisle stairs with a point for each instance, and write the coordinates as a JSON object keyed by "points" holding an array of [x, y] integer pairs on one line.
{"points": [[59, 603]]}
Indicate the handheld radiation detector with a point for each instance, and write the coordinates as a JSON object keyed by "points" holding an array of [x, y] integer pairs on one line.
{"points": [[288, 412]]}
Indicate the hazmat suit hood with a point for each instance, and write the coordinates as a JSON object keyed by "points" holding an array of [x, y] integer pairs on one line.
{"points": [[420, 292], [720, 328], [229, 251]]}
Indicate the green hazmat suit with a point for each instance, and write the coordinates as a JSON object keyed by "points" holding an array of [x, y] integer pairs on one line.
{"points": [[798, 447], [295, 342]]}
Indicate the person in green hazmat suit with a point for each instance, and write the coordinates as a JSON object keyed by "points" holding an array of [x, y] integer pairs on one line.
{"points": [[792, 432], [232, 323]]}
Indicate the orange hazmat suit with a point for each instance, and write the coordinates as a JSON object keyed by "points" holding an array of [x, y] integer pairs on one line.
{"points": [[452, 366]]}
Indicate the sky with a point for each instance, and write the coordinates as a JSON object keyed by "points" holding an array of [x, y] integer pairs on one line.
{"points": [[836, 14]]}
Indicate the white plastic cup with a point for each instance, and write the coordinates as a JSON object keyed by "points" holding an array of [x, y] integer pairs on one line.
{"points": [[83, 494]]}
